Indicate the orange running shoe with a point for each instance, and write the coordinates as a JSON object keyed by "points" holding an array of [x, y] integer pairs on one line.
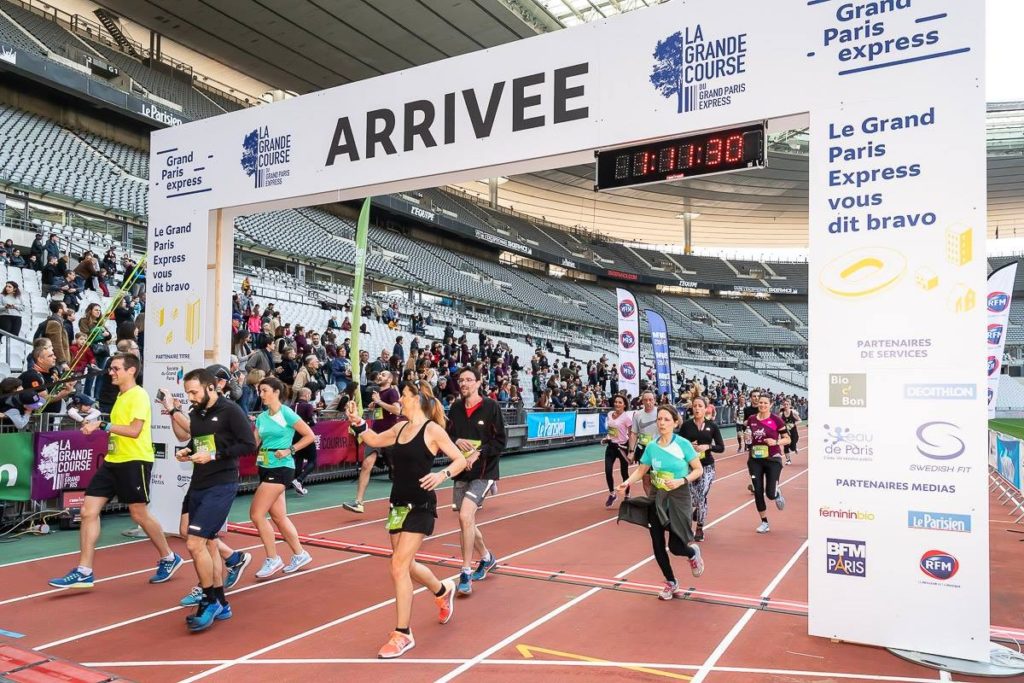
{"points": [[446, 603], [398, 644]]}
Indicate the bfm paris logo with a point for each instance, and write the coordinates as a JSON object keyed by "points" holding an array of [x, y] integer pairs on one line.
{"points": [[264, 155], [998, 301], [627, 339], [846, 557], [995, 334], [627, 308], [686, 64]]}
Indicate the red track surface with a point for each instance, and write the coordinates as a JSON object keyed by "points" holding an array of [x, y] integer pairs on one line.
{"points": [[329, 619]]}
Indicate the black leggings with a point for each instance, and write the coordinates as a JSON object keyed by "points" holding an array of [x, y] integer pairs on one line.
{"points": [[675, 544], [764, 473], [791, 447], [612, 453], [11, 323], [305, 460]]}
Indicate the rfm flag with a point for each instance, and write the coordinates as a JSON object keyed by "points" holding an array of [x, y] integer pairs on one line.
{"points": [[629, 342], [662, 361], [1000, 292]]}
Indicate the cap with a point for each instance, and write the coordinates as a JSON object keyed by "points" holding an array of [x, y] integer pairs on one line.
{"points": [[219, 371], [30, 399], [83, 399]]}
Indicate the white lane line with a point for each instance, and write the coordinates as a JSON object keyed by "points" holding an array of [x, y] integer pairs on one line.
{"points": [[713, 658], [158, 613]]}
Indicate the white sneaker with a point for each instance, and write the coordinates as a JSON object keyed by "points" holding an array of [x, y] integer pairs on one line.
{"points": [[780, 502], [298, 562], [762, 528], [697, 563], [299, 488], [271, 566]]}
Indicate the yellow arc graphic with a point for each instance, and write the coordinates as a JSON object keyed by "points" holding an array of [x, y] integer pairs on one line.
{"points": [[528, 651], [863, 272]]}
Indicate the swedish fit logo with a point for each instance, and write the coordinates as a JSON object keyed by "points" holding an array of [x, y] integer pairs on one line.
{"points": [[627, 307], [939, 441], [845, 557], [993, 365], [998, 301], [938, 521], [686, 65], [938, 564], [628, 370], [266, 157], [848, 390], [995, 334], [628, 339]]}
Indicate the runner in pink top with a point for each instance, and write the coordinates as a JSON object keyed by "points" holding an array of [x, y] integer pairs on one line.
{"points": [[619, 424], [767, 434]]}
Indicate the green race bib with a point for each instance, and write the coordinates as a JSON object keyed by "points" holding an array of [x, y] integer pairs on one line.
{"points": [[396, 517], [659, 479], [378, 414], [644, 439], [760, 451], [205, 444], [613, 432], [476, 446]]}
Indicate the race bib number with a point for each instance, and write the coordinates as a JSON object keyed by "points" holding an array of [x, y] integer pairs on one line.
{"points": [[206, 444], [476, 446], [396, 517], [760, 451], [263, 458], [613, 432], [378, 414], [660, 479], [644, 439]]}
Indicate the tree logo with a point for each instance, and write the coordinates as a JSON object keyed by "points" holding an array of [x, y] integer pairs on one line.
{"points": [[266, 158], [686, 66]]}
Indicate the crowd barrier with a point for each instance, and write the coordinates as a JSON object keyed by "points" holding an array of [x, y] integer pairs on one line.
{"points": [[1004, 460]]}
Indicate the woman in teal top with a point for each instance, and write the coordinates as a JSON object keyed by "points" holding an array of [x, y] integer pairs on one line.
{"points": [[275, 429], [674, 465]]}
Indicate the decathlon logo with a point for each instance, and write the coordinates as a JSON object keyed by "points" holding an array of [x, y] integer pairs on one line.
{"points": [[940, 441], [687, 65], [845, 557], [998, 301], [627, 307], [628, 340], [266, 157], [628, 370], [938, 564], [995, 334]]}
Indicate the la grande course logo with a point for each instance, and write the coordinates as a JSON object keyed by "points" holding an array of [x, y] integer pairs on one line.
{"points": [[266, 158], [686, 65]]}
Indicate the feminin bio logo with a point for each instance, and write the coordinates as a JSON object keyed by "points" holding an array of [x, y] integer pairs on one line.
{"points": [[845, 557], [686, 65], [266, 157]]}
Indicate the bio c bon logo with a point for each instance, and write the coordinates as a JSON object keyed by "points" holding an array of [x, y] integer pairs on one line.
{"points": [[938, 564], [995, 334], [938, 440], [628, 340], [998, 301], [627, 307], [628, 371]]}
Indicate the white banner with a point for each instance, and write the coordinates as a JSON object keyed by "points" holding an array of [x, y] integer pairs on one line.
{"points": [[898, 522], [1000, 296], [588, 424], [629, 342]]}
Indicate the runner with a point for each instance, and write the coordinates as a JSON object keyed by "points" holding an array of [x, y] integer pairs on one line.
{"points": [[792, 419], [673, 465], [620, 428], [413, 502], [645, 429], [275, 428], [476, 425], [706, 437], [749, 411], [124, 474], [305, 459], [741, 421], [233, 562], [218, 434], [766, 432], [385, 403]]}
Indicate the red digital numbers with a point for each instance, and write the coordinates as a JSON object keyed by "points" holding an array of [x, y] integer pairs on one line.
{"points": [[714, 155], [644, 163], [734, 148]]}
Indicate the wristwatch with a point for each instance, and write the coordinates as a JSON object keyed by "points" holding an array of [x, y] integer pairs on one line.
{"points": [[446, 473], [291, 450], [105, 426]]}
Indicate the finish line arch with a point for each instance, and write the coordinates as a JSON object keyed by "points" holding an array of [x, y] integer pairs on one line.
{"points": [[895, 99]]}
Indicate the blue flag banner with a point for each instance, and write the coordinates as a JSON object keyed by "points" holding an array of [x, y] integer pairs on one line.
{"points": [[662, 361]]}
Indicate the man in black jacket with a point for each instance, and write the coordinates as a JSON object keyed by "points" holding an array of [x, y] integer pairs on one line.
{"points": [[476, 426], [218, 435]]}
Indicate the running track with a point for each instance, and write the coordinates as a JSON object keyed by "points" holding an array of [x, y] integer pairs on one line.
{"points": [[329, 619]]}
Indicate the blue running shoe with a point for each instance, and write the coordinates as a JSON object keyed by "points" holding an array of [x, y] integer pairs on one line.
{"points": [[193, 598], [165, 569], [465, 583], [205, 617], [483, 567], [73, 579], [235, 570], [225, 613]]}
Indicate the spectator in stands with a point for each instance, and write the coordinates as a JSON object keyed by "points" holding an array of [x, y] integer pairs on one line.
{"points": [[346, 325], [86, 271], [53, 329], [240, 346], [340, 370], [50, 274], [109, 262], [250, 401], [82, 408], [288, 367], [398, 351], [301, 343], [12, 308], [33, 262], [17, 261], [317, 349], [308, 375], [543, 401], [376, 310], [52, 247], [85, 359], [378, 366], [613, 379], [69, 290], [16, 404], [37, 249], [42, 377]]}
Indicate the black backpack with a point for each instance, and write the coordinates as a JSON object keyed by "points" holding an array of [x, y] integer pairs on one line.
{"points": [[41, 330]]}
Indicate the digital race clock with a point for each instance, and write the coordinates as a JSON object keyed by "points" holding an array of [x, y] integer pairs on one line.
{"points": [[732, 149]]}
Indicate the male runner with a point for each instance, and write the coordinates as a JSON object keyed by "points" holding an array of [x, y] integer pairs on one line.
{"points": [[384, 403], [477, 427], [124, 473], [645, 428]]}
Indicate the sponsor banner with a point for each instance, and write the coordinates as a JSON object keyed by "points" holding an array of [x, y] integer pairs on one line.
{"points": [[335, 444], [628, 315], [66, 460], [550, 425], [1008, 460], [589, 424], [1000, 296], [16, 458], [662, 360]]}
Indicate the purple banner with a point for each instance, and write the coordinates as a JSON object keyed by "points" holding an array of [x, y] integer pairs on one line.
{"points": [[66, 460]]}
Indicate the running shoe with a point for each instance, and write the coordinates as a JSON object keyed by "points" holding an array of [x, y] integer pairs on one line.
{"points": [[494, 488], [446, 603], [235, 570], [298, 562], [134, 532], [271, 566], [354, 506], [780, 502], [73, 579], [750, 487], [668, 590], [789, 460], [763, 528], [165, 569], [696, 562], [483, 567], [611, 500], [193, 598], [299, 488], [698, 535], [465, 583], [225, 613], [398, 644], [205, 616]]}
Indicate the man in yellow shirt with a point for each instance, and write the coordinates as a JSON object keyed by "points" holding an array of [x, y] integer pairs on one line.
{"points": [[124, 473]]}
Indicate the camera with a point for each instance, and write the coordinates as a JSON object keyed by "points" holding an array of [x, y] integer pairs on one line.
{"points": [[160, 395]]}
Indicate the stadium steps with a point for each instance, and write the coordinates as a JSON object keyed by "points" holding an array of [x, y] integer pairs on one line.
{"points": [[791, 314], [750, 308]]}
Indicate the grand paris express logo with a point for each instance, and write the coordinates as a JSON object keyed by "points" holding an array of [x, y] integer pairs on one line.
{"points": [[700, 70]]}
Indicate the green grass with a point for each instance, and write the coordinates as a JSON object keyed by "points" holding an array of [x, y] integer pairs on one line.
{"points": [[1008, 426]]}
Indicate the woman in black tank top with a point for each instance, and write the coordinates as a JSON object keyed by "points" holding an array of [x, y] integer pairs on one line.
{"points": [[413, 446]]}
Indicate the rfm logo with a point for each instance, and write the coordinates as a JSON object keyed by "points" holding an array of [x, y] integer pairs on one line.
{"points": [[995, 334], [627, 307], [628, 340], [998, 301], [628, 370], [938, 564], [993, 365]]}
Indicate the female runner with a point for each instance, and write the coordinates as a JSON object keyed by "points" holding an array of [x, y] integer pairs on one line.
{"points": [[766, 434], [706, 437]]}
